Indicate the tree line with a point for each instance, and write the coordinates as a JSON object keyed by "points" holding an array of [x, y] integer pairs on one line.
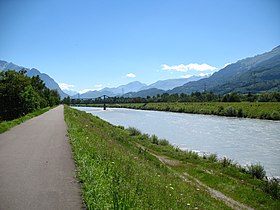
{"points": [[20, 94], [194, 97]]}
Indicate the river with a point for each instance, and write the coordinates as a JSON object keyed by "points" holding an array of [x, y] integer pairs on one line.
{"points": [[246, 141]]}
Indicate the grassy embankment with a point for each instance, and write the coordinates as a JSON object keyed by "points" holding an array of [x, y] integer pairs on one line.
{"points": [[260, 110], [6, 125], [122, 169]]}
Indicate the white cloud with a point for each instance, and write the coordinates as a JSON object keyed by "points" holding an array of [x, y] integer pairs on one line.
{"points": [[96, 87], [65, 86], [191, 66], [130, 75], [187, 76]]}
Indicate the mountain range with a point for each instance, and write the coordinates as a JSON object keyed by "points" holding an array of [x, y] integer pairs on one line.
{"points": [[137, 89], [250, 75], [49, 82], [157, 87], [254, 74]]}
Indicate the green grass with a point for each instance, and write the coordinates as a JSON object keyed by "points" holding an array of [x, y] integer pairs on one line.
{"points": [[117, 173], [260, 110], [223, 175], [6, 125]]}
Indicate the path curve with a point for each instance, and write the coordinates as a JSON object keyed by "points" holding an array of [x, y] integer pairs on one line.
{"points": [[36, 166]]}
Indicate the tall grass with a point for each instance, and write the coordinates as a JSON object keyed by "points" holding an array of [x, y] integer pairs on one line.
{"points": [[272, 187], [117, 174], [118, 171], [221, 174], [257, 171]]}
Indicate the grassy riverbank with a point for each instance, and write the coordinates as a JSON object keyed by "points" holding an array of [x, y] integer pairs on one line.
{"points": [[120, 168], [6, 125], [260, 110]]}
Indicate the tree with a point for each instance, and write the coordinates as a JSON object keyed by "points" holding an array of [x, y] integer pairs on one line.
{"points": [[20, 94], [54, 98], [30, 100], [66, 100], [12, 86]]}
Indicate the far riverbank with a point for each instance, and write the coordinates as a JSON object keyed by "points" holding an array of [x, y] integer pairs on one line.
{"points": [[254, 110]]}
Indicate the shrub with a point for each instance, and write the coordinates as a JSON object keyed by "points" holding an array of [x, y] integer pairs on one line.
{"points": [[230, 111], [193, 154], [272, 187], [163, 142], [226, 162], [264, 115], [154, 139], [144, 137], [133, 131], [220, 109], [213, 157], [275, 115], [240, 112], [121, 127], [257, 171]]}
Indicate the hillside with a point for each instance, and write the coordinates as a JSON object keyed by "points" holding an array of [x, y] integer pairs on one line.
{"points": [[138, 89], [130, 87], [144, 93], [172, 83], [254, 74]]}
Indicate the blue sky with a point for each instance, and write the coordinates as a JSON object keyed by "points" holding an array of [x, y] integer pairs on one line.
{"points": [[90, 44]]}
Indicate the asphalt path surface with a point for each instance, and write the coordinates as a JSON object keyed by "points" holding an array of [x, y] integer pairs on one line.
{"points": [[37, 170]]}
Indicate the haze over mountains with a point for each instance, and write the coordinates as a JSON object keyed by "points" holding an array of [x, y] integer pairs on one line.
{"points": [[254, 74], [136, 86]]}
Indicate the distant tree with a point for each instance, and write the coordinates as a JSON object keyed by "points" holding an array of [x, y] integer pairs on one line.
{"points": [[54, 98], [231, 97], [67, 100]]}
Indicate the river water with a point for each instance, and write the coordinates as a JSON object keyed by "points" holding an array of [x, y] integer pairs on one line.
{"points": [[246, 141]]}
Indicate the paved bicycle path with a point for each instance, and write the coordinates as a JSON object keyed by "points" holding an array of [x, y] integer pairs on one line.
{"points": [[36, 166]]}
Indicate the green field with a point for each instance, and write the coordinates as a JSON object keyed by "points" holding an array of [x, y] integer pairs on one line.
{"points": [[123, 169], [260, 110], [6, 125]]}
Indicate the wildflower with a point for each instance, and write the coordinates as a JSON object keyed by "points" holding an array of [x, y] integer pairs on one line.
{"points": [[171, 188], [188, 204], [197, 189], [86, 137]]}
